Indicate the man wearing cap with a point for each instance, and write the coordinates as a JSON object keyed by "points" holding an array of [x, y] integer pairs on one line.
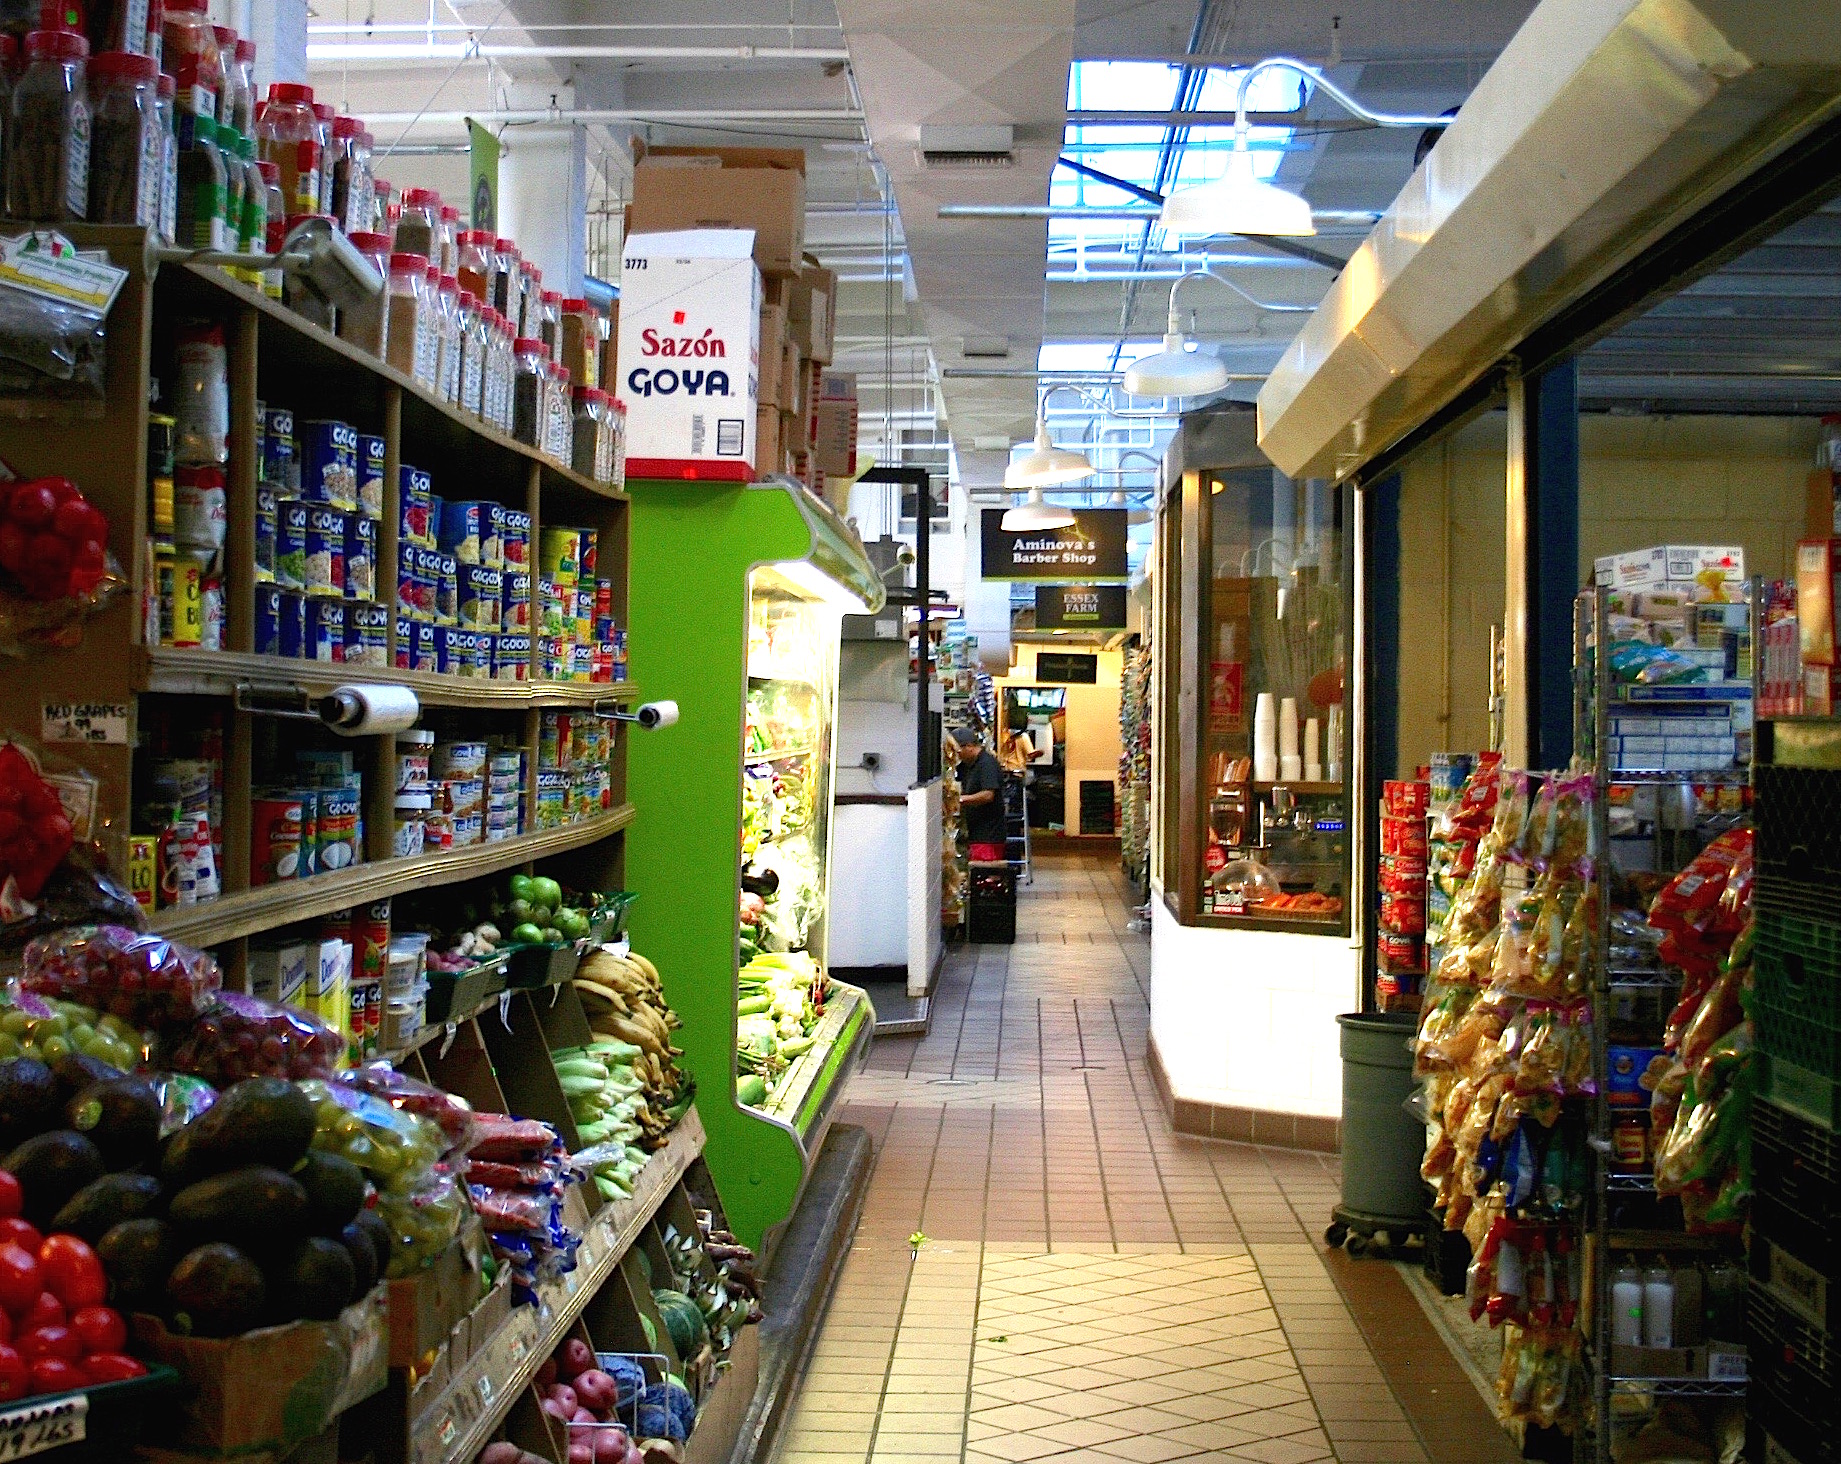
{"points": [[981, 781]]}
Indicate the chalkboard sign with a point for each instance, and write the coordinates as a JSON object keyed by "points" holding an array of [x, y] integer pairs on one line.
{"points": [[1067, 667]]}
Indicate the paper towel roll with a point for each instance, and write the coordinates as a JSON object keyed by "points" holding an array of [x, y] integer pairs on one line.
{"points": [[370, 711], [1288, 728], [1313, 756], [1265, 739]]}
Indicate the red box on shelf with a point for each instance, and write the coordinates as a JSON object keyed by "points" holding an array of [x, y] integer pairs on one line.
{"points": [[1402, 799], [1403, 874], [1403, 914], [1403, 836], [1400, 954]]}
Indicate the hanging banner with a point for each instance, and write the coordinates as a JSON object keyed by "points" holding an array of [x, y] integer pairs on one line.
{"points": [[1090, 550], [483, 173], [1080, 607]]}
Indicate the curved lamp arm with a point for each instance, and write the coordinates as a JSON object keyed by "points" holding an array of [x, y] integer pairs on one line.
{"points": [[1355, 108], [1206, 272]]}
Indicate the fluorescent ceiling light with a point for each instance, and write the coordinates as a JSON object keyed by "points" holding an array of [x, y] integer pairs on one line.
{"points": [[1176, 371], [1238, 203], [1035, 513], [1047, 465]]}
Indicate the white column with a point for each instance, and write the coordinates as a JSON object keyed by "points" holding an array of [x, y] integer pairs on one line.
{"points": [[543, 200], [279, 29]]}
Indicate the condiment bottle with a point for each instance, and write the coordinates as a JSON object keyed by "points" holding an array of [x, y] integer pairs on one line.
{"points": [[227, 68], [530, 291], [585, 431], [473, 266], [367, 325], [48, 143], [1627, 1305], [166, 94], [346, 172], [1658, 1307], [448, 386], [322, 134], [9, 66], [275, 215], [201, 189], [550, 324], [244, 118], [189, 51], [381, 222], [529, 389], [578, 331], [406, 330], [252, 235], [504, 278], [450, 240], [230, 158], [430, 375], [127, 147], [286, 136], [472, 352], [418, 225]]}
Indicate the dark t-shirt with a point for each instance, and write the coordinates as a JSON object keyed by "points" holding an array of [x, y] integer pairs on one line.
{"points": [[984, 822]]}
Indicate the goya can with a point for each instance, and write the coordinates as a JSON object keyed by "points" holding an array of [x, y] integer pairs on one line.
{"points": [[324, 573], [511, 657], [492, 535], [366, 634], [268, 620], [277, 462], [370, 476], [324, 639], [479, 592], [291, 613], [291, 543], [329, 463], [360, 557], [415, 493], [267, 528], [515, 600], [460, 530], [515, 538], [446, 574]]}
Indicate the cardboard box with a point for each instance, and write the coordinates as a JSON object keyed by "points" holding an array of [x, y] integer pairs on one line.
{"points": [[690, 324], [792, 439], [1718, 570], [259, 1395], [758, 188], [790, 378], [1818, 562], [772, 347], [768, 452], [834, 437], [811, 311], [423, 1308], [278, 973]]}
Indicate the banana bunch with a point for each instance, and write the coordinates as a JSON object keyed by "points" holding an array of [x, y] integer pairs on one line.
{"points": [[625, 1005]]}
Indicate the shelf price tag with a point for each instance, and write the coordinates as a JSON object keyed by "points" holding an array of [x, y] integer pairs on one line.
{"points": [[34, 1430], [96, 722]]}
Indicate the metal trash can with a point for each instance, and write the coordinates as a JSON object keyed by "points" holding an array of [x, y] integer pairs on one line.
{"points": [[1382, 1143]]}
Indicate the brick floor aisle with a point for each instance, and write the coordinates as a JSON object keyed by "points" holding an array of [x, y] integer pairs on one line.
{"points": [[1090, 1283]]}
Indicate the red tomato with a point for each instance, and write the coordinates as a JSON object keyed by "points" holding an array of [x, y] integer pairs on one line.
{"points": [[111, 1367], [51, 1341], [15, 1376], [72, 1272], [22, 1233], [100, 1327], [55, 1375], [11, 1199], [47, 1311], [20, 1279]]}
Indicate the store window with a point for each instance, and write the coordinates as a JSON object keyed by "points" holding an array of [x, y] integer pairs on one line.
{"points": [[1255, 827]]}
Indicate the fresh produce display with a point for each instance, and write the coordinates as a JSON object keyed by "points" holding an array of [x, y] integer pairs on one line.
{"points": [[715, 1274], [596, 1398], [239, 1036], [516, 1172], [625, 1089], [782, 998], [143, 979], [50, 1029]]}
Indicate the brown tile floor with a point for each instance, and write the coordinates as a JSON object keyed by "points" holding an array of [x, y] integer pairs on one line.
{"points": [[1088, 1282]]}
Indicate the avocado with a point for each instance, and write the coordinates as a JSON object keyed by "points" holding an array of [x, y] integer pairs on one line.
{"points": [[121, 1115], [258, 1208], [257, 1121], [104, 1203], [363, 1251], [215, 1291], [75, 1071], [29, 1099], [51, 1168], [313, 1280], [181, 1161], [335, 1191], [374, 1226], [138, 1256]]}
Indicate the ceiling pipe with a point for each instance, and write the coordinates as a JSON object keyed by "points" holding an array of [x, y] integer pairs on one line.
{"points": [[663, 117], [1019, 373], [1122, 211], [417, 27], [1102, 117], [328, 52]]}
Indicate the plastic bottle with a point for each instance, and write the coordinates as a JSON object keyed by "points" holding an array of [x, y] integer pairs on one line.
{"points": [[230, 158], [1658, 1307], [244, 119], [550, 324], [48, 139], [127, 147], [452, 337], [405, 336], [430, 374], [322, 134], [286, 136], [189, 49], [349, 165], [418, 226], [1725, 1302], [167, 94], [252, 235], [367, 325], [1627, 1305], [450, 240], [472, 344], [201, 189], [275, 214], [227, 100]]}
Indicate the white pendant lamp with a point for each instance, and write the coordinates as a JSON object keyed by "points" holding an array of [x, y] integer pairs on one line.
{"points": [[1175, 371], [1036, 513], [1047, 464], [1238, 203]]}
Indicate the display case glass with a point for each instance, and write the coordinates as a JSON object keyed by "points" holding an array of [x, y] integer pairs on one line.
{"points": [[1253, 622]]}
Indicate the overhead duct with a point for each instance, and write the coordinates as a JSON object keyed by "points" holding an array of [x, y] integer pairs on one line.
{"points": [[978, 145]]}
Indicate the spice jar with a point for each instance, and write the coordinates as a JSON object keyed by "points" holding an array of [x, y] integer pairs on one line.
{"points": [[127, 148], [275, 224], [492, 382], [450, 240], [466, 383], [529, 391], [227, 66], [406, 325], [352, 197], [49, 142], [473, 263], [165, 94], [447, 385], [189, 51], [286, 137], [9, 65], [618, 425], [366, 325], [550, 323], [252, 230], [585, 433], [530, 299], [322, 134], [201, 189], [504, 277], [243, 116], [437, 328], [338, 169], [556, 414], [229, 156], [578, 330], [381, 220], [418, 225]]}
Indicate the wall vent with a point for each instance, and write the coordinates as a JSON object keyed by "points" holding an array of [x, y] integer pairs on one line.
{"points": [[982, 145]]}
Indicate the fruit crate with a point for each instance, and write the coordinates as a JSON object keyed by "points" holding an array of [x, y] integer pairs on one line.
{"points": [[1797, 813], [1792, 1369], [1796, 976], [1796, 1183], [610, 918], [451, 996], [108, 1418], [534, 966]]}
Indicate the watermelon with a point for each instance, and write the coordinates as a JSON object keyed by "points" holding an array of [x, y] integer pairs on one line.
{"points": [[683, 1320]]}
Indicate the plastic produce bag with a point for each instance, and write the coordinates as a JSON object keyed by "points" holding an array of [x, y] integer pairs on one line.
{"points": [[423, 1221], [239, 1036], [36, 830], [48, 348], [55, 566], [182, 1099], [452, 1115], [144, 979]]}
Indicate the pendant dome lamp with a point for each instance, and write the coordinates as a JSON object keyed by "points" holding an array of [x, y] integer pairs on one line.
{"points": [[1242, 203], [1178, 371], [1036, 513]]}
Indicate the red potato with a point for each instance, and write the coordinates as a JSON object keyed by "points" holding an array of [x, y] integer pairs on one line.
{"points": [[576, 1357], [556, 1410], [634, 1454], [610, 1446], [596, 1390], [563, 1396], [581, 1454], [582, 1415]]}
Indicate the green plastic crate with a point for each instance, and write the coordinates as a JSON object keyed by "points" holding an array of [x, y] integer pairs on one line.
{"points": [[1796, 988]]}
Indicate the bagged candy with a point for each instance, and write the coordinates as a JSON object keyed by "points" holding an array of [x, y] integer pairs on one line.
{"points": [[143, 979]]}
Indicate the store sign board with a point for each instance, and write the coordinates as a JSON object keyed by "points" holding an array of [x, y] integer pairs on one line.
{"points": [[1090, 550], [1067, 668], [483, 176], [1080, 607]]}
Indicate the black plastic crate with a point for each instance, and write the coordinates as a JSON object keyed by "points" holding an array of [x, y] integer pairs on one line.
{"points": [[1796, 980], [1780, 1435], [1810, 1288], [1797, 813], [112, 1419], [1792, 1370], [1796, 1200]]}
